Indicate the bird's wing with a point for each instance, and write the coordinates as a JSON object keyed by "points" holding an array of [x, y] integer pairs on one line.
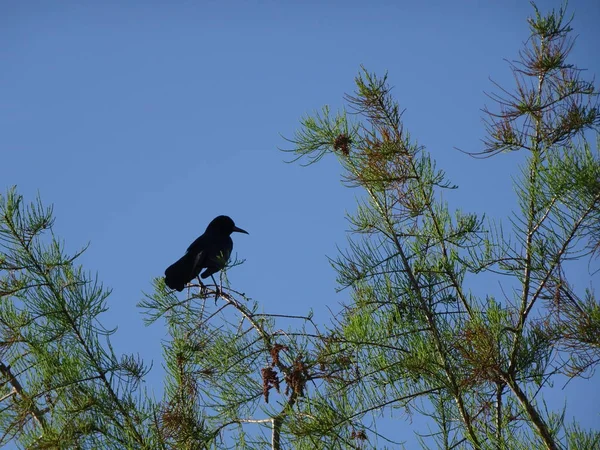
{"points": [[182, 271], [198, 244], [218, 251], [198, 251], [199, 259]]}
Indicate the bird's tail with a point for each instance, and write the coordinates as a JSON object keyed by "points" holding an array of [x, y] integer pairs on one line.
{"points": [[178, 273]]}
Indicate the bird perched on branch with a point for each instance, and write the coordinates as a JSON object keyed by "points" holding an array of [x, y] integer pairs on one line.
{"points": [[210, 251]]}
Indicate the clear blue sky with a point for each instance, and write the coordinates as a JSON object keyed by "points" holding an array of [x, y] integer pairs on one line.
{"points": [[141, 121]]}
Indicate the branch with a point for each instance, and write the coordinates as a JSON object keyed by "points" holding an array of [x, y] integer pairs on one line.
{"points": [[18, 388], [537, 420]]}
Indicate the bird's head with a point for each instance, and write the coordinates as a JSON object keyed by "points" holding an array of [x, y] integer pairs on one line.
{"points": [[225, 225]]}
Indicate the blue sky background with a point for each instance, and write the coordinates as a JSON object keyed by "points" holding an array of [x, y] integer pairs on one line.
{"points": [[141, 121]]}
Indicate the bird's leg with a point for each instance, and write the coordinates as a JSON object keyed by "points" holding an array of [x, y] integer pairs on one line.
{"points": [[202, 287], [217, 289]]}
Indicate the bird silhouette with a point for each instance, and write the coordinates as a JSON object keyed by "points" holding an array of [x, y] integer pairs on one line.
{"points": [[210, 251]]}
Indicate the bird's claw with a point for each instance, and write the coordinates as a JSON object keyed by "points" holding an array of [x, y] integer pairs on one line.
{"points": [[218, 293]]}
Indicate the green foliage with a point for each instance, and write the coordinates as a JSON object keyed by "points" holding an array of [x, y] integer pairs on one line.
{"points": [[62, 387], [230, 371]]}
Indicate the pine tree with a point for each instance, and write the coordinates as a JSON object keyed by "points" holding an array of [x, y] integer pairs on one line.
{"points": [[416, 336]]}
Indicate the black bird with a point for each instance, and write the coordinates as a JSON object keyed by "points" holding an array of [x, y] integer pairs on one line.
{"points": [[210, 251]]}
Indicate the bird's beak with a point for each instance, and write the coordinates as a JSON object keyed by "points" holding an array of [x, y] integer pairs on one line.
{"points": [[239, 230]]}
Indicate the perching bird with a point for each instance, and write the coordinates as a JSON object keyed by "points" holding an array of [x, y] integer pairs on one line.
{"points": [[210, 251]]}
